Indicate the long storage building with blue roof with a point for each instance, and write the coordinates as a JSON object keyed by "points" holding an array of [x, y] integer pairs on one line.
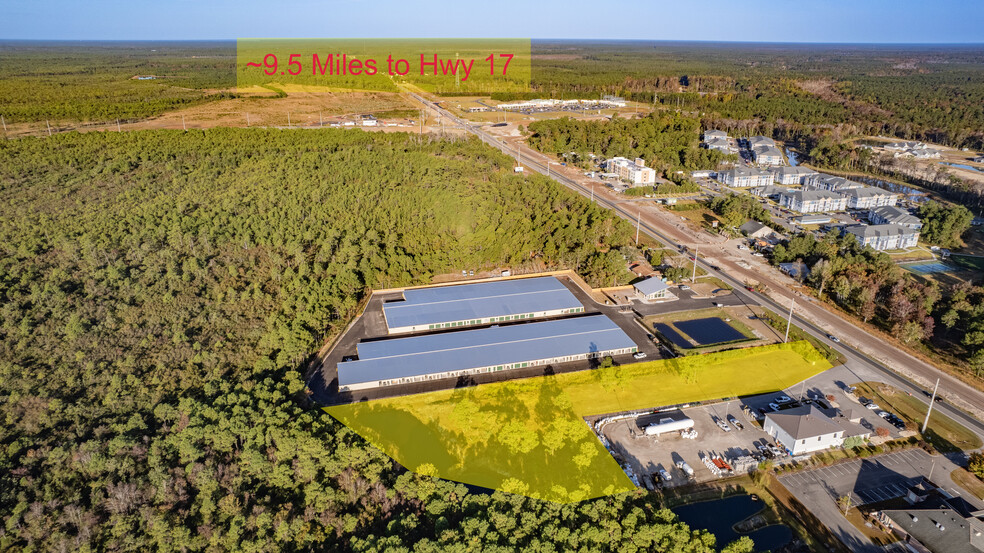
{"points": [[453, 354], [445, 307]]}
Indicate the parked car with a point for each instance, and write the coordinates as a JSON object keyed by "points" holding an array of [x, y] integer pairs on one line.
{"points": [[774, 406], [639, 355], [734, 421], [873, 406], [684, 287], [724, 426], [783, 399], [664, 475]]}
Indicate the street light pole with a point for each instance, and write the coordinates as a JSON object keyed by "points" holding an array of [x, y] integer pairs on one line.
{"points": [[929, 411], [789, 320], [696, 251]]}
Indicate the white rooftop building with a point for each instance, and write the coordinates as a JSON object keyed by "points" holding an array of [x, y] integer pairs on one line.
{"points": [[744, 177], [635, 172], [884, 237], [792, 175]]}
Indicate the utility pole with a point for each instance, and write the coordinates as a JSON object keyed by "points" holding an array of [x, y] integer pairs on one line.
{"points": [[118, 129], [638, 222], [592, 193], [288, 119], [183, 126], [321, 121], [49, 126], [789, 320], [696, 251], [2, 120], [929, 411], [247, 119]]}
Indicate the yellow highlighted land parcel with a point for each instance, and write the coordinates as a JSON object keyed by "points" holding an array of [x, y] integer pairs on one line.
{"points": [[529, 436]]}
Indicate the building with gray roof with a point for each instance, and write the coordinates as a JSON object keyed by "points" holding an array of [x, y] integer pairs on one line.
{"points": [[892, 215], [936, 521], [821, 181], [742, 177], [755, 229], [760, 141], [803, 430], [441, 307], [792, 175], [767, 155], [812, 201], [453, 354], [868, 197], [652, 288], [884, 237]]}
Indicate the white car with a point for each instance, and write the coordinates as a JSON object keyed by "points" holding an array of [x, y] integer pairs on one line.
{"points": [[684, 287], [664, 475], [724, 426], [774, 406], [639, 355], [873, 406]]}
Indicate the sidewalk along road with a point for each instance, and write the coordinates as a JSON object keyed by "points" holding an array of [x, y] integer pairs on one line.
{"points": [[898, 367]]}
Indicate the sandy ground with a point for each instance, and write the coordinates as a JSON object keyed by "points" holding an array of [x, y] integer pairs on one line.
{"points": [[255, 109]]}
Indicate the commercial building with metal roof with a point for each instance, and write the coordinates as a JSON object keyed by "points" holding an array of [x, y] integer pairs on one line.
{"points": [[652, 288], [453, 354], [442, 307]]}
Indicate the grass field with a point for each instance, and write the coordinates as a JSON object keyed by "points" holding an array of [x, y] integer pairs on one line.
{"points": [[946, 434], [529, 437], [968, 481]]}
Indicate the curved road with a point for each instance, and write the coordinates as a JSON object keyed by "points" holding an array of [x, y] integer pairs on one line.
{"points": [[854, 356]]}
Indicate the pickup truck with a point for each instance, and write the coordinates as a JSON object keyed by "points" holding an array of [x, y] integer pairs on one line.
{"points": [[734, 421]]}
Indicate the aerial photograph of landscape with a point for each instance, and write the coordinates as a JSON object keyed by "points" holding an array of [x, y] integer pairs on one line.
{"points": [[375, 276]]}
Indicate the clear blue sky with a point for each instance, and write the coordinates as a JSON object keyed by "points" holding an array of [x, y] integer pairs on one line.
{"points": [[906, 21]]}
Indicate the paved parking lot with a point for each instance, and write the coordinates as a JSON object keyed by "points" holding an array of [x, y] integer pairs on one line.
{"points": [[868, 480]]}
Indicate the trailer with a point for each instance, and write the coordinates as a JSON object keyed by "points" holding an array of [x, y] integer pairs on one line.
{"points": [[676, 422]]}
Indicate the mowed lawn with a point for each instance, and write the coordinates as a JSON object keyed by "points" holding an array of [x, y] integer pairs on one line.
{"points": [[529, 437]]}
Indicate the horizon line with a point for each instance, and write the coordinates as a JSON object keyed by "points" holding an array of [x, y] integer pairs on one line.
{"points": [[626, 40]]}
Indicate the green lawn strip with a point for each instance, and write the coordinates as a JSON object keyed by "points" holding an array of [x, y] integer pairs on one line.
{"points": [[970, 262], [796, 333], [946, 434], [968, 481]]}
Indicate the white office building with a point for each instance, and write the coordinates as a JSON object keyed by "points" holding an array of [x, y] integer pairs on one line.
{"points": [[884, 237], [744, 177], [821, 181], [812, 201], [892, 215], [792, 175], [869, 197], [634, 172], [803, 430]]}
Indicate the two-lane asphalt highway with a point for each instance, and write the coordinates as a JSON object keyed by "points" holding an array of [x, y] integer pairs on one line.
{"points": [[853, 355]]}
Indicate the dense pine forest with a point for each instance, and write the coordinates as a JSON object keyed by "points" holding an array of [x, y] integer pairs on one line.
{"points": [[161, 291], [666, 141]]}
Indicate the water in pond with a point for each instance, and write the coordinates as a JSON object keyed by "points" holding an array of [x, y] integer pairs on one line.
{"points": [[793, 162], [914, 193], [962, 166], [711, 330], [720, 515]]}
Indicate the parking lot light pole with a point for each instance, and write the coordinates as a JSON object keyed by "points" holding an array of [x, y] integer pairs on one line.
{"points": [[929, 411]]}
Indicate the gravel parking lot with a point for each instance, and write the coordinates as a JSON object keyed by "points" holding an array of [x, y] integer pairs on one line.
{"points": [[650, 454]]}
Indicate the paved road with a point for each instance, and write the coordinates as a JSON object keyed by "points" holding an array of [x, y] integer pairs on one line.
{"points": [[867, 481], [858, 345]]}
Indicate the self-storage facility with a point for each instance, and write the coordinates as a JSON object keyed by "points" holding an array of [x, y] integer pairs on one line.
{"points": [[443, 307], [484, 350]]}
